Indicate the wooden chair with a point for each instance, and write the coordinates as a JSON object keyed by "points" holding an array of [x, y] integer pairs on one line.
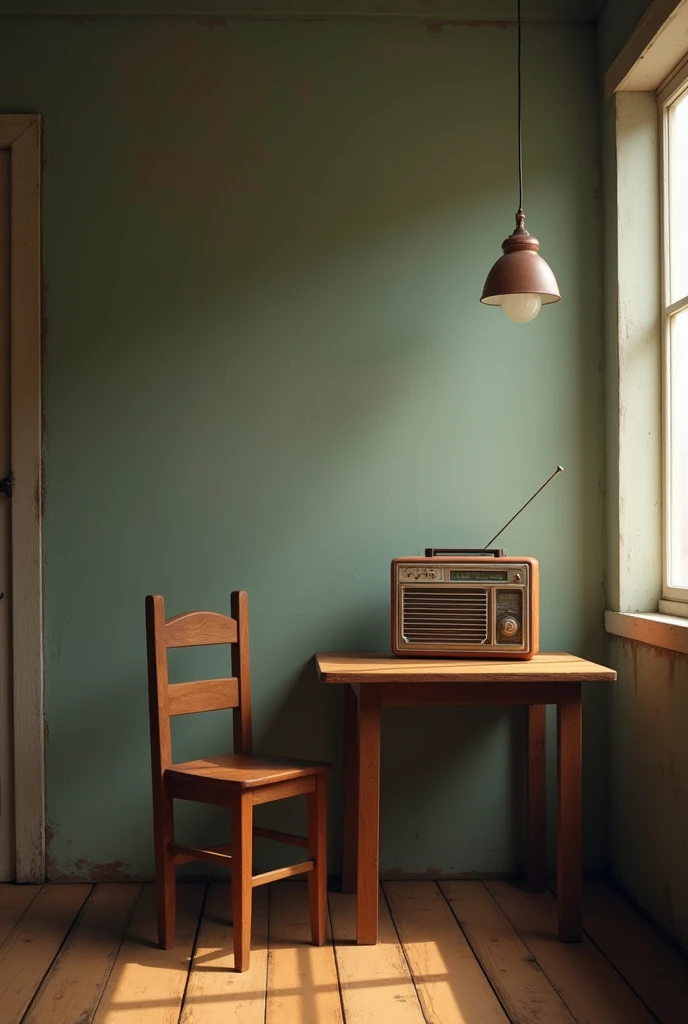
{"points": [[237, 781]]}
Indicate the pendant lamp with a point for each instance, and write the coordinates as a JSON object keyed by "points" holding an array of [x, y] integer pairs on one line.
{"points": [[520, 281]]}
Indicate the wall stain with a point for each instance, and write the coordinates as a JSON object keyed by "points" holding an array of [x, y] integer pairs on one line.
{"points": [[84, 870], [671, 660], [49, 835], [668, 657]]}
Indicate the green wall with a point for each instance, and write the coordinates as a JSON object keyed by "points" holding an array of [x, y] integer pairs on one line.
{"points": [[266, 367], [428, 10], [617, 19]]}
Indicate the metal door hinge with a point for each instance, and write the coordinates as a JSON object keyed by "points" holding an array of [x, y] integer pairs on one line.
{"points": [[6, 485]]}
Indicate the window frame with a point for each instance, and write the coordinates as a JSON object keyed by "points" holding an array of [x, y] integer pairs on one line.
{"points": [[674, 600]]}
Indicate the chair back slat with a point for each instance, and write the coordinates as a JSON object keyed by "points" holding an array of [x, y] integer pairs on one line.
{"points": [[203, 695], [195, 629]]}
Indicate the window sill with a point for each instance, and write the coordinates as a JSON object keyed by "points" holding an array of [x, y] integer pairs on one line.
{"points": [[668, 631]]}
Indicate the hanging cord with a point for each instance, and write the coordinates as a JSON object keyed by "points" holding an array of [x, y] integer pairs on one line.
{"points": [[518, 78]]}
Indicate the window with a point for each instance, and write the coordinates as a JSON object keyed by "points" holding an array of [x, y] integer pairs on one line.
{"points": [[673, 99]]}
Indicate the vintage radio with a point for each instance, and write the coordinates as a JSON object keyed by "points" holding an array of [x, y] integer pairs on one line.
{"points": [[473, 603]]}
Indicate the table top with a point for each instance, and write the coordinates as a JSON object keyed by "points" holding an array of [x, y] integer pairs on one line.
{"points": [[381, 668]]}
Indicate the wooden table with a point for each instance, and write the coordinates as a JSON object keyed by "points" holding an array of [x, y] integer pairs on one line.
{"points": [[376, 680]]}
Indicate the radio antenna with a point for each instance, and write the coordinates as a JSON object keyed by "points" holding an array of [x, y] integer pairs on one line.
{"points": [[557, 471]]}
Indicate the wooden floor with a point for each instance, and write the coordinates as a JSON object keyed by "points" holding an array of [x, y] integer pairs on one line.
{"points": [[448, 953]]}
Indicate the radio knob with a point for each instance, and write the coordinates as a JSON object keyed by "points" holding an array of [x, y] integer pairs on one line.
{"points": [[517, 577], [508, 626]]}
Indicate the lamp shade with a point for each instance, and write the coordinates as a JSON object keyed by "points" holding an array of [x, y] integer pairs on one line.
{"points": [[521, 270]]}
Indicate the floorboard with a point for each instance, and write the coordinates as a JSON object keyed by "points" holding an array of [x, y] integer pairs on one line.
{"points": [[14, 900], [586, 981], [302, 978], [451, 985], [375, 981], [449, 953], [216, 993], [523, 989], [650, 964], [32, 945], [147, 984], [73, 988]]}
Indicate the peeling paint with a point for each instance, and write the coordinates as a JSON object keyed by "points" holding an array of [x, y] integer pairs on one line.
{"points": [[83, 870]]}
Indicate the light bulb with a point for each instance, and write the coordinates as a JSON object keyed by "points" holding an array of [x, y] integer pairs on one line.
{"points": [[522, 306]]}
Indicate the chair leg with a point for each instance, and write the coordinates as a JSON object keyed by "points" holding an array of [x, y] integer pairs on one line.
{"points": [[242, 879], [317, 852], [164, 869]]}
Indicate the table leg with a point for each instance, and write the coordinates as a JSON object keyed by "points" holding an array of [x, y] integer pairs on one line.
{"points": [[350, 790], [569, 842], [537, 798], [368, 812]]}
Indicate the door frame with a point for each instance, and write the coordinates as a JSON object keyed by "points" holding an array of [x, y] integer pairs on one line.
{"points": [[21, 134]]}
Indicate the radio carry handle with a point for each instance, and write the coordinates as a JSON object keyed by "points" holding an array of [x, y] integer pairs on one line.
{"points": [[496, 552]]}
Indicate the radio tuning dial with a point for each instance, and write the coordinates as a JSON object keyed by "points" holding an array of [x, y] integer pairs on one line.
{"points": [[517, 577], [508, 626]]}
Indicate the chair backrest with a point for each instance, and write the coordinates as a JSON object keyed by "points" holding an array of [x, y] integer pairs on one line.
{"points": [[197, 629]]}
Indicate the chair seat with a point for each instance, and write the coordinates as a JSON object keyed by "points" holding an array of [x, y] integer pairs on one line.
{"points": [[243, 771]]}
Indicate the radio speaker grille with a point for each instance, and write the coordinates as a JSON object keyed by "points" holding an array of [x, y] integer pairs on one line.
{"points": [[446, 616]]}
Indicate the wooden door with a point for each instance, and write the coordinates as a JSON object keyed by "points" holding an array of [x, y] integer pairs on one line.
{"points": [[7, 867]]}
